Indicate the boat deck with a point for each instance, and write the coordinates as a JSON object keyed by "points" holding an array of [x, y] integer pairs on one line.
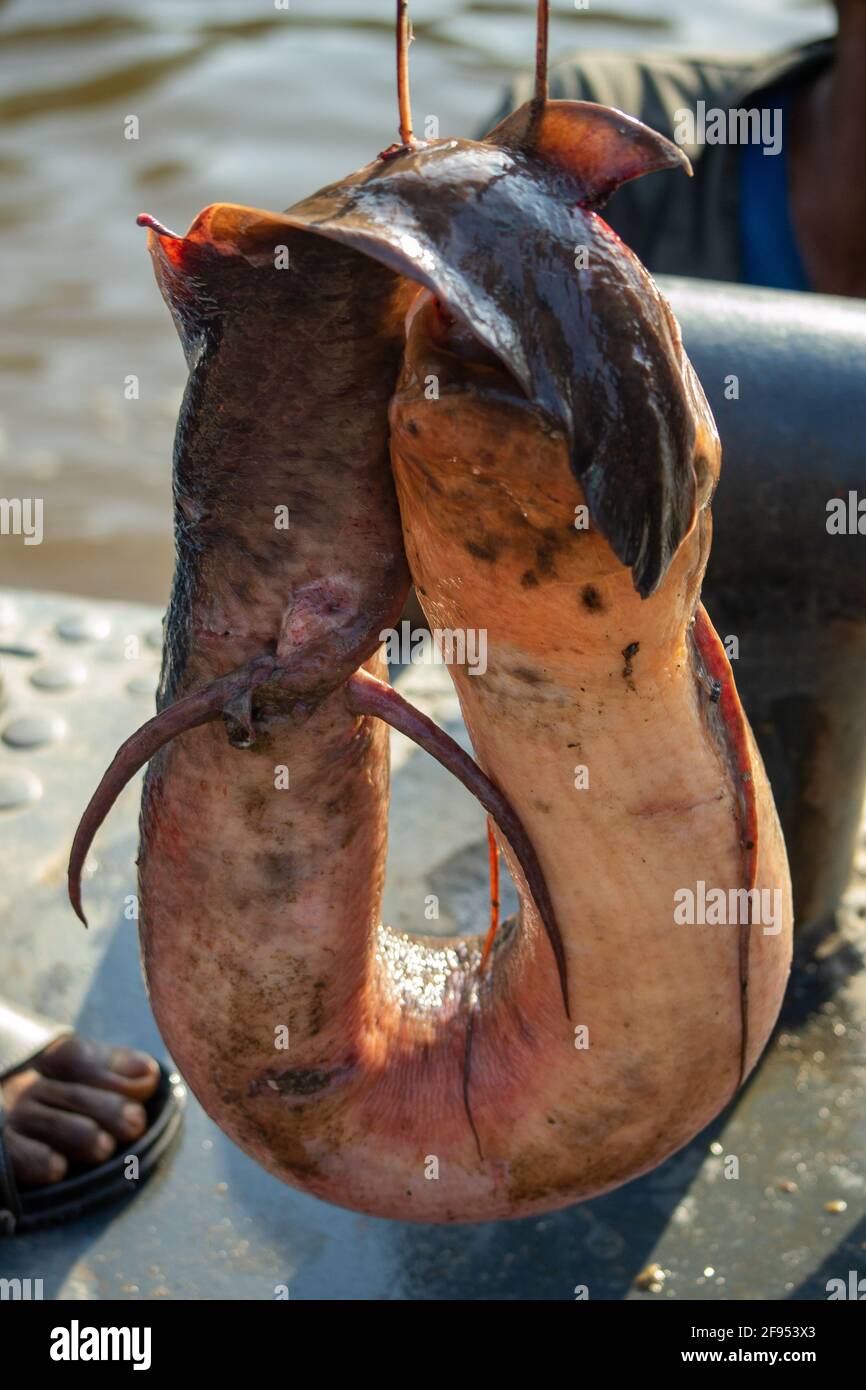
{"points": [[213, 1225]]}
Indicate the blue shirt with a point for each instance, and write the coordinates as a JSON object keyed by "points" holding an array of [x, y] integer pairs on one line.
{"points": [[768, 246]]}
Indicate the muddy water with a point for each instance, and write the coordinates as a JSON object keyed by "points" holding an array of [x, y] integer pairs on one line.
{"points": [[234, 100]]}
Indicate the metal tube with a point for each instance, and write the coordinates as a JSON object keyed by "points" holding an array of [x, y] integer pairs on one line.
{"points": [[785, 375]]}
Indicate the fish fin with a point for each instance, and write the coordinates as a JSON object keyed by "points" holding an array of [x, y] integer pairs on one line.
{"points": [[493, 863], [225, 229], [598, 146], [471, 1016], [187, 713], [474, 1010], [367, 695], [739, 748]]}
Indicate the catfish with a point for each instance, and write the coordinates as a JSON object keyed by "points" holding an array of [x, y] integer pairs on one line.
{"points": [[555, 491]]}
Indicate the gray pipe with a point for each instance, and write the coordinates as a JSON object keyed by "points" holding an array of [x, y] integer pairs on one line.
{"points": [[793, 430]]}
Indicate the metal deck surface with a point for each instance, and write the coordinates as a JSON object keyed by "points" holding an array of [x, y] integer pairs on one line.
{"points": [[212, 1225]]}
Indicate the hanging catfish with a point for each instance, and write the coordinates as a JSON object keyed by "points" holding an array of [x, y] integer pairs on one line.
{"points": [[330, 1048]]}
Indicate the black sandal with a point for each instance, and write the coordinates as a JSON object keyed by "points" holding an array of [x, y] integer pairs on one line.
{"points": [[23, 1035]]}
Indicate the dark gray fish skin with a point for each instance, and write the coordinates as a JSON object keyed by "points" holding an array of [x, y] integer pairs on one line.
{"points": [[596, 349], [284, 415]]}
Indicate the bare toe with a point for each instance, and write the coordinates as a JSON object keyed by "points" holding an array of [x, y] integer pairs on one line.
{"points": [[33, 1163], [78, 1137], [107, 1068], [125, 1119], [76, 1103]]}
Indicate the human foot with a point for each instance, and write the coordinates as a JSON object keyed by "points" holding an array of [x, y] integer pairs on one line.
{"points": [[75, 1104]]}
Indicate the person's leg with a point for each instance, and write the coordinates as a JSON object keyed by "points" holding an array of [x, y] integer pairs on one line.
{"points": [[77, 1102]]}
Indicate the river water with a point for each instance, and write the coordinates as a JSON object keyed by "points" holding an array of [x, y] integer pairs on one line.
{"points": [[236, 101]]}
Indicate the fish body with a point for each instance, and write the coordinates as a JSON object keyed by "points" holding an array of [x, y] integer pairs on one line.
{"points": [[603, 1033], [611, 722]]}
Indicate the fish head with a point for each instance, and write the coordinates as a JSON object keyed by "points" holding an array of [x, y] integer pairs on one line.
{"points": [[287, 528], [506, 236], [487, 489]]}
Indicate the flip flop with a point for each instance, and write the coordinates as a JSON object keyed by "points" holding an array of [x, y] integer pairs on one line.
{"points": [[23, 1035]]}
